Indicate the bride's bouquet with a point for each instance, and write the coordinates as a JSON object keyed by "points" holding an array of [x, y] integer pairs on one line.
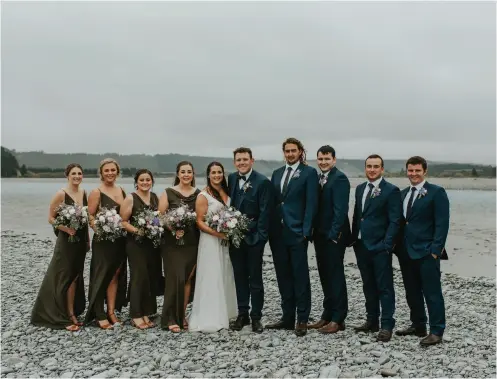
{"points": [[71, 216], [179, 219], [149, 225], [229, 221], [107, 225]]}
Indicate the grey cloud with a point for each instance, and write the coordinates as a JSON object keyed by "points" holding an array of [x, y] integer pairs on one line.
{"points": [[205, 77]]}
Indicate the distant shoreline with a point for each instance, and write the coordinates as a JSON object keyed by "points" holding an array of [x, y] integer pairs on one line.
{"points": [[477, 184]]}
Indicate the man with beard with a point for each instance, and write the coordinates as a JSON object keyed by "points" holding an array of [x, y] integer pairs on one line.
{"points": [[375, 225], [331, 237], [296, 199]]}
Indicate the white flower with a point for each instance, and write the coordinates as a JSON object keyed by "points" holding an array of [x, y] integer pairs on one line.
{"points": [[238, 213], [180, 211], [141, 221], [234, 221], [171, 218], [215, 218], [114, 212], [84, 220], [108, 214], [106, 228], [110, 219], [101, 219], [156, 213], [161, 229], [72, 210]]}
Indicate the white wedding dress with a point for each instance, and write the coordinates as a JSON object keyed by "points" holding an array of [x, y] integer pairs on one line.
{"points": [[214, 301]]}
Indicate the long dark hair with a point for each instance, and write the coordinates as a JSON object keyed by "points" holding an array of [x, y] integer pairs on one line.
{"points": [[224, 185], [184, 163], [300, 146], [141, 172]]}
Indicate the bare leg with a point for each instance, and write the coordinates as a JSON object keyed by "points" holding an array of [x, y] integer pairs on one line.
{"points": [[71, 293], [188, 289], [111, 297]]}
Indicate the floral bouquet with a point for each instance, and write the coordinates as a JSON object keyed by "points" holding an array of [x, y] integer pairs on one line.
{"points": [[71, 216], [107, 225], [229, 221], [149, 226], [179, 219]]}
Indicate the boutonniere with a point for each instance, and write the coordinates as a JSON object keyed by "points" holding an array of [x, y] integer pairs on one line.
{"points": [[422, 192], [297, 174], [376, 192], [246, 186]]}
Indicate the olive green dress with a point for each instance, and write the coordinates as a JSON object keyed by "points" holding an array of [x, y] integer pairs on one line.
{"points": [[142, 259], [67, 264], [106, 258], [179, 263]]}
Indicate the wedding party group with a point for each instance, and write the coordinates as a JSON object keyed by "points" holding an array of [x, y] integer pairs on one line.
{"points": [[205, 247]]}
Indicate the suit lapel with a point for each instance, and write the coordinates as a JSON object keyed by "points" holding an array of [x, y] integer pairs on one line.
{"points": [[372, 203], [404, 193], [361, 191], [278, 175]]}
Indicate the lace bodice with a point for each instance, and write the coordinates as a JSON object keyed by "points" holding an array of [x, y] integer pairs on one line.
{"points": [[213, 205]]}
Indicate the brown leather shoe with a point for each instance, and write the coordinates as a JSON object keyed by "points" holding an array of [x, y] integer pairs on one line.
{"points": [[301, 329], [332, 327], [384, 335], [318, 324], [432, 339]]}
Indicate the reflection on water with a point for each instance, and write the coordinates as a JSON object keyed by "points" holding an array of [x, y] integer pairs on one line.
{"points": [[25, 204]]}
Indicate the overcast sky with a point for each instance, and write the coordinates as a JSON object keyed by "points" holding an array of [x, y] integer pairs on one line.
{"points": [[394, 78]]}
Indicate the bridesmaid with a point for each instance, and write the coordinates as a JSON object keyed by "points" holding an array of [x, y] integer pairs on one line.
{"points": [[61, 297], [141, 254], [179, 260], [108, 274]]}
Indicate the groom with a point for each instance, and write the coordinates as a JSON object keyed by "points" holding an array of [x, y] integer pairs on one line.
{"points": [[251, 194]]}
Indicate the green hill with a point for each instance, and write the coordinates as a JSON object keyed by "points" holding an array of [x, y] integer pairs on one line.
{"points": [[39, 161]]}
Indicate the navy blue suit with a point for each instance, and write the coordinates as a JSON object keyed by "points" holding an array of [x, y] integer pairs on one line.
{"points": [[331, 237], [379, 224], [425, 233], [254, 199], [289, 236]]}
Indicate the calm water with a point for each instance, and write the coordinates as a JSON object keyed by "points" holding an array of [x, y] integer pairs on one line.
{"points": [[25, 205]]}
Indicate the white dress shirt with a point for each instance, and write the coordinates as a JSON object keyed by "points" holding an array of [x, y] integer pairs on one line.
{"points": [[416, 193], [241, 182], [376, 184], [294, 168]]}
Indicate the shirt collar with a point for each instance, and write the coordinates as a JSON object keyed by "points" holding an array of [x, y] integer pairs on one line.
{"points": [[325, 173], [294, 166], [419, 186], [247, 175], [377, 182]]}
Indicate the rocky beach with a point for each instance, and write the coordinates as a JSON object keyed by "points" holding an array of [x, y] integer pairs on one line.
{"points": [[27, 351]]}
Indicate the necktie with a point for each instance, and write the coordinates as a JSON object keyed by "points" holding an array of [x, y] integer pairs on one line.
{"points": [[242, 177], [409, 203], [287, 178], [368, 196]]}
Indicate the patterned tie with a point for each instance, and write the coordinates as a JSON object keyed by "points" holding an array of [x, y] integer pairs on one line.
{"points": [[409, 203]]}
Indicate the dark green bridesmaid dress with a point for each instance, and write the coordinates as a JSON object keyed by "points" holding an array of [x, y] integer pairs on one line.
{"points": [[106, 258], [50, 308], [145, 266], [179, 263]]}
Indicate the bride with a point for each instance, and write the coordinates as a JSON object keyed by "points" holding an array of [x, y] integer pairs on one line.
{"points": [[214, 302]]}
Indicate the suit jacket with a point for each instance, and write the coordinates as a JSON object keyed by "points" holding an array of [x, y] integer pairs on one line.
{"points": [[333, 211], [379, 223], [255, 201], [295, 210], [425, 230]]}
